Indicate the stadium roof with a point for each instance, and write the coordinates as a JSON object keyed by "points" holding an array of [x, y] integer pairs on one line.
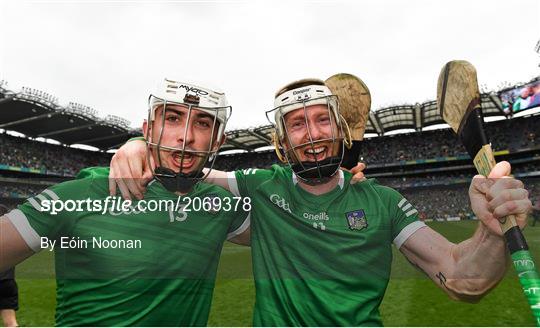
{"points": [[37, 114], [379, 122]]}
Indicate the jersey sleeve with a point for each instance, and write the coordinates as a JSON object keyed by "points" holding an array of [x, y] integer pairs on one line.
{"points": [[40, 216], [241, 184], [240, 181], [238, 186], [239, 224], [403, 216]]}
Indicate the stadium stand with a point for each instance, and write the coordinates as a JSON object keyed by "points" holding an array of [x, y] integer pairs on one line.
{"points": [[47, 158], [430, 168], [511, 135]]}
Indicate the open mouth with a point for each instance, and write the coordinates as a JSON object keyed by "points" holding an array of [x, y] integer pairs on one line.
{"points": [[315, 153], [183, 162]]}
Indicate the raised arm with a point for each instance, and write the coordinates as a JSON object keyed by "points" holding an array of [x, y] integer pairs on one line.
{"points": [[468, 270]]}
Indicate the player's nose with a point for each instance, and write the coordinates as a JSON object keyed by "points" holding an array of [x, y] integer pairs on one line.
{"points": [[186, 136], [314, 131]]}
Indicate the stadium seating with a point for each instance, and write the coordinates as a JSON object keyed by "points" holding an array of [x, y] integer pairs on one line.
{"points": [[430, 168], [47, 158]]}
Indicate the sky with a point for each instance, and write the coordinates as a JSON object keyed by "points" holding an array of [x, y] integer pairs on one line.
{"points": [[109, 55]]}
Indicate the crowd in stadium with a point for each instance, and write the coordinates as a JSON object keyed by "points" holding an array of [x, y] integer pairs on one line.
{"points": [[442, 203], [54, 159], [507, 134], [19, 190], [447, 177], [436, 202]]}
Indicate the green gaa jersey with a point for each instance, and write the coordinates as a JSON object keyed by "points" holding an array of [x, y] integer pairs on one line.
{"points": [[321, 260], [134, 266]]}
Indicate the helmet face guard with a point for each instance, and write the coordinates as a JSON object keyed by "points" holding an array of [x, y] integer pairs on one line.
{"points": [[336, 136], [179, 165]]}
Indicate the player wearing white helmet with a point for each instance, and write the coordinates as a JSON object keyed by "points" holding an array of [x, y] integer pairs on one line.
{"points": [[314, 158], [322, 247], [201, 114], [149, 263]]}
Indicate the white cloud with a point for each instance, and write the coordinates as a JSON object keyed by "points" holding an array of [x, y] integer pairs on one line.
{"points": [[109, 54]]}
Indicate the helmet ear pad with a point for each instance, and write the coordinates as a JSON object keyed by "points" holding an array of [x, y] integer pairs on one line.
{"points": [[277, 148]]}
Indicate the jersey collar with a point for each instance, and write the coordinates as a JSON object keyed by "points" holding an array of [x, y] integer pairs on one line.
{"points": [[340, 182]]}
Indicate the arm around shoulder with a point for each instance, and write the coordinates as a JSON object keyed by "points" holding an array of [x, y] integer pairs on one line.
{"points": [[218, 178]]}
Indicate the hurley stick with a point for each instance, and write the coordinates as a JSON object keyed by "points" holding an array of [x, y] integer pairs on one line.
{"points": [[354, 105], [459, 103]]}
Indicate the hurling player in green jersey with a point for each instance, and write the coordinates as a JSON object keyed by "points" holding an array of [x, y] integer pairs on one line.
{"points": [[322, 247], [150, 263]]}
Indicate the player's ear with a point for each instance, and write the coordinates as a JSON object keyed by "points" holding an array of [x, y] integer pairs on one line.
{"points": [[277, 147], [145, 132], [223, 140], [216, 145]]}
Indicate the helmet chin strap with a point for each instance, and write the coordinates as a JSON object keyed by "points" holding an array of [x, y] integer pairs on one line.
{"points": [[313, 173], [317, 172], [177, 182]]}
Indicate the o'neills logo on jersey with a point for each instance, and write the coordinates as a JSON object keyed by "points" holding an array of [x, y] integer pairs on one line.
{"points": [[316, 217], [280, 202]]}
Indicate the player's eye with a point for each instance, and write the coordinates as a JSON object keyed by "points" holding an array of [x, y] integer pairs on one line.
{"points": [[295, 125], [324, 119], [172, 118], [204, 123]]}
